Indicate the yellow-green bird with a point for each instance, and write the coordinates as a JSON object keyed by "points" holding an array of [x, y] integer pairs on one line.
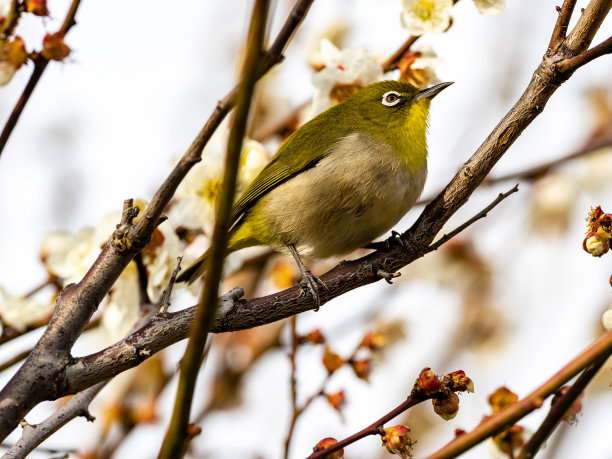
{"points": [[340, 181]]}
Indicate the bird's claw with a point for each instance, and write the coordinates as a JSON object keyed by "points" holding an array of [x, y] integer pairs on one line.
{"points": [[388, 277], [310, 283], [396, 238]]}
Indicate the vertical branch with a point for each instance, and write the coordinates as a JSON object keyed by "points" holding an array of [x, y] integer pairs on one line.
{"points": [[176, 439], [293, 382], [560, 30]]}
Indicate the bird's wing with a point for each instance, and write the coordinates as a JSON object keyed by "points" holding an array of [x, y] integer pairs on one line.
{"points": [[297, 154]]}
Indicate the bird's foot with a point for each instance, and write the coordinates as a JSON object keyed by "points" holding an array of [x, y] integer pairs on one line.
{"points": [[310, 283], [387, 244], [388, 277]]}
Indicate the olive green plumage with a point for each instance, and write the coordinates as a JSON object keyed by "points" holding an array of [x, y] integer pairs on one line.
{"points": [[342, 179]]}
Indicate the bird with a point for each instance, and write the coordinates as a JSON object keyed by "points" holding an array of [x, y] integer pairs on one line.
{"points": [[340, 181]]}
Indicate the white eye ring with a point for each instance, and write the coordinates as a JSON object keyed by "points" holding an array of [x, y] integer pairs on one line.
{"points": [[391, 98]]}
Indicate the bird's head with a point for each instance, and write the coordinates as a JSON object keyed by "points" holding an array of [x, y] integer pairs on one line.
{"points": [[391, 104]]}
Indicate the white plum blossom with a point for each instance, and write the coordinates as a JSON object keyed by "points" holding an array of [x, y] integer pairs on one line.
{"points": [[345, 71], [18, 312], [490, 6], [70, 256], [160, 258], [197, 195], [123, 307], [606, 319], [420, 16]]}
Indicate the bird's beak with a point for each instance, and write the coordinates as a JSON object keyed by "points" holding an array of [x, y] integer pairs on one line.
{"points": [[432, 92]]}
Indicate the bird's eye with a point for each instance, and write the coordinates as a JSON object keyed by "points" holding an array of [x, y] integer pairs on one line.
{"points": [[391, 98]]}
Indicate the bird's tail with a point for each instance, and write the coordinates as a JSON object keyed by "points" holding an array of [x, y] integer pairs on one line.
{"points": [[193, 272]]}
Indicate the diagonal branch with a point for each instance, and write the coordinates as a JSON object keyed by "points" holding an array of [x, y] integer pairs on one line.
{"points": [[512, 413], [167, 329], [559, 408], [40, 64], [33, 436]]}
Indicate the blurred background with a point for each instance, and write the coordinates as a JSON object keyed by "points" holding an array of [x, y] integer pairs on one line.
{"points": [[509, 301]]}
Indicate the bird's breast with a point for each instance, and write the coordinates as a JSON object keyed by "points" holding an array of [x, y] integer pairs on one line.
{"points": [[356, 193]]}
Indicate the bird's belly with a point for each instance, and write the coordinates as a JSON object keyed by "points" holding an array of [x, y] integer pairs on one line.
{"points": [[349, 199]]}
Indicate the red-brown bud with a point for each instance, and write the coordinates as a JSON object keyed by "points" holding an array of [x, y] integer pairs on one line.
{"points": [[501, 398], [37, 7], [54, 48], [428, 381], [332, 361], [447, 408], [397, 441], [362, 368], [337, 400], [326, 443]]}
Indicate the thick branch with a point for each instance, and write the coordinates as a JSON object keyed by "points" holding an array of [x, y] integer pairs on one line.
{"points": [[37, 379]]}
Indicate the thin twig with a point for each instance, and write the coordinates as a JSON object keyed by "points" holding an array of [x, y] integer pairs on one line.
{"points": [[33, 436], [605, 47], [560, 408], [175, 441], [512, 413], [40, 64], [560, 30], [393, 60], [164, 302], [482, 214], [293, 384]]}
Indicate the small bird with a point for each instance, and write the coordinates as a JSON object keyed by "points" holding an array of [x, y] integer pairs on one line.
{"points": [[340, 181]]}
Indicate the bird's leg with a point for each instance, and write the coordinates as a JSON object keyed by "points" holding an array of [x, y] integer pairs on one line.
{"points": [[396, 238], [309, 280]]}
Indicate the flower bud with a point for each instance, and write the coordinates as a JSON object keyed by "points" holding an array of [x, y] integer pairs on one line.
{"points": [[331, 360], [362, 368], [595, 244], [459, 381], [501, 398], [313, 337], [397, 441], [54, 48], [326, 443], [337, 400], [37, 7], [373, 341], [447, 408], [428, 381]]}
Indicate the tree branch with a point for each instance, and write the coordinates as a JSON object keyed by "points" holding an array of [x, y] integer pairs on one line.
{"points": [[512, 413], [37, 379], [40, 64], [559, 408], [560, 30], [34, 435], [176, 439]]}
